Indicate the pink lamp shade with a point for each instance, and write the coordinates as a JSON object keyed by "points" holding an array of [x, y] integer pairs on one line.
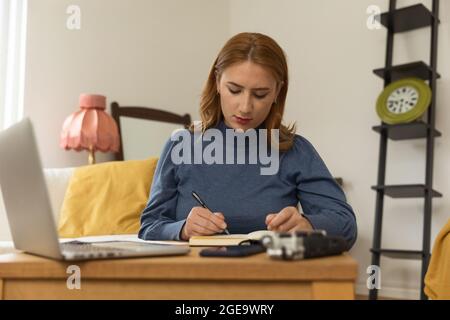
{"points": [[90, 128]]}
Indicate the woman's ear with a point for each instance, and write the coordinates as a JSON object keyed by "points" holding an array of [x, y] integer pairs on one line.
{"points": [[279, 86]]}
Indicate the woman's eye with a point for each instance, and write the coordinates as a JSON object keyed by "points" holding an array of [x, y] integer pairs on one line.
{"points": [[239, 91], [260, 97], [234, 92]]}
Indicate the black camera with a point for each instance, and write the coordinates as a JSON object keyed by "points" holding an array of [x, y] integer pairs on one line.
{"points": [[303, 245]]}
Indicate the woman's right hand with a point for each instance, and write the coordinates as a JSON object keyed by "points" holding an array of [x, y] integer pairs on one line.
{"points": [[200, 222]]}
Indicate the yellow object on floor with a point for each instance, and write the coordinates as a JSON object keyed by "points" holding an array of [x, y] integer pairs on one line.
{"points": [[437, 279]]}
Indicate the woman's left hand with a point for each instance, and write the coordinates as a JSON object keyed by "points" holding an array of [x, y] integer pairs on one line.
{"points": [[287, 220]]}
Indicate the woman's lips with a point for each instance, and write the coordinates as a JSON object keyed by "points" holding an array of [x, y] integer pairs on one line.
{"points": [[242, 120]]}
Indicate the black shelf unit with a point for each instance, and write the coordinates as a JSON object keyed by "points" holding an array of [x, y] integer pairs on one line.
{"points": [[397, 21], [400, 254], [406, 191], [417, 69], [406, 131], [401, 18]]}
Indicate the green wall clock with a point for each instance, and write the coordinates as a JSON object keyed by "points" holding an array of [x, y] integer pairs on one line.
{"points": [[403, 101]]}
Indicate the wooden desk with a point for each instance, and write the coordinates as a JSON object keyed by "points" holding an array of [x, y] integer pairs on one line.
{"points": [[24, 276]]}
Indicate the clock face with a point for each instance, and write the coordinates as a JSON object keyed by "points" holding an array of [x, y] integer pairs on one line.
{"points": [[402, 100]]}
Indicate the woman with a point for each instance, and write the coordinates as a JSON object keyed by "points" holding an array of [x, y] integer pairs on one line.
{"points": [[246, 90]]}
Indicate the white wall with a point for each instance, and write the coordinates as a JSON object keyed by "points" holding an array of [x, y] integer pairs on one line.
{"points": [[153, 53], [332, 96], [160, 52]]}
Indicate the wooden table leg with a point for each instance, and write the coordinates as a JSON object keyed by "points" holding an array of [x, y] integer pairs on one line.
{"points": [[1, 289]]}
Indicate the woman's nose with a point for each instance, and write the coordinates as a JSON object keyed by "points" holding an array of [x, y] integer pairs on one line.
{"points": [[246, 105]]}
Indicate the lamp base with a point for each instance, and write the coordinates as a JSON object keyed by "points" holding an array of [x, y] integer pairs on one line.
{"points": [[91, 156]]}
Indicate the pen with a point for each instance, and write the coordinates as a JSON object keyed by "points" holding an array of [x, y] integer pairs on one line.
{"points": [[196, 197]]}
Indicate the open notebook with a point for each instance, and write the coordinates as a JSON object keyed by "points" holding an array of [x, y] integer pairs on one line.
{"points": [[227, 239]]}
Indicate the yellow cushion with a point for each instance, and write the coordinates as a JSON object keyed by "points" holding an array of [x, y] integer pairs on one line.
{"points": [[106, 198]]}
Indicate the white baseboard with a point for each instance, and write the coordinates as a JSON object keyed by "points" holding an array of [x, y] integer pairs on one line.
{"points": [[391, 292]]}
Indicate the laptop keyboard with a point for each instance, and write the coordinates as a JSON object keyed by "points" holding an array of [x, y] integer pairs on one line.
{"points": [[86, 248], [116, 246]]}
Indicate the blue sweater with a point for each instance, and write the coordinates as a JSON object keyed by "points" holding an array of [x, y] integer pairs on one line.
{"points": [[244, 195]]}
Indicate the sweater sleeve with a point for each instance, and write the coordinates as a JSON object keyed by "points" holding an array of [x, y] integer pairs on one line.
{"points": [[158, 221], [322, 199]]}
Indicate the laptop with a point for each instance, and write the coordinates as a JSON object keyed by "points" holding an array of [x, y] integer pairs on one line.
{"points": [[29, 211]]}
